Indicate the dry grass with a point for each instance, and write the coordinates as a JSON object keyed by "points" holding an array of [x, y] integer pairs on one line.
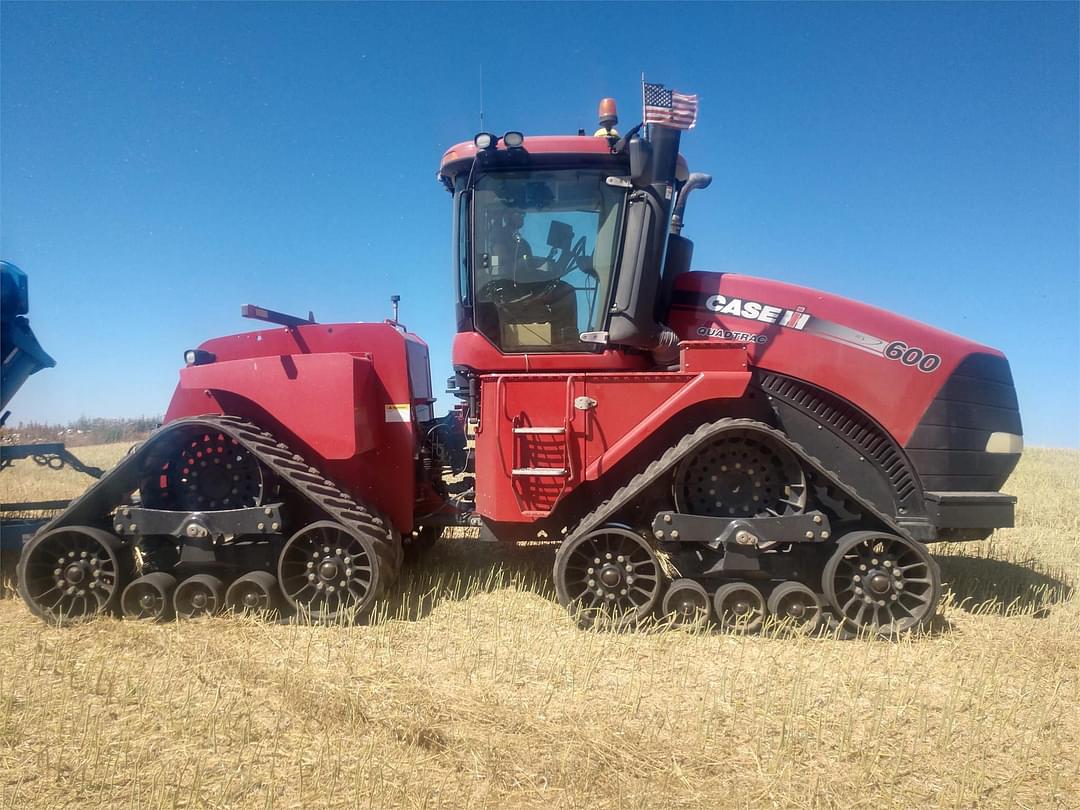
{"points": [[477, 691], [27, 481]]}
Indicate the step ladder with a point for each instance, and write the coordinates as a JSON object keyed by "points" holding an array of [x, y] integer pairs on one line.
{"points": [[528, 442]]}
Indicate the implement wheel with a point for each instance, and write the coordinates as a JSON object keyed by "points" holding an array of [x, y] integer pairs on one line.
{"points": [[71, 574], [330, 572], [882, 583], [608, 575]]}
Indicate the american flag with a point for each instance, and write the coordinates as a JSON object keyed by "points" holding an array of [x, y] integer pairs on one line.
{"points": [[663, 106]]}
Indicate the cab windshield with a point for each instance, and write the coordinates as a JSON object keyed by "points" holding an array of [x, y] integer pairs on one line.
{"points": [[543, 251]]}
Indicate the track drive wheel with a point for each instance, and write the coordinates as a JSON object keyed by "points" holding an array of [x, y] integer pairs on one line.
{"points": [[200, 595], [794, 606], [881, 583], [610, 575], [740, 607], [330, 572], [149, 598], [254, 593], [202, 469], [740, 473], [71, 574], [687, 604]]}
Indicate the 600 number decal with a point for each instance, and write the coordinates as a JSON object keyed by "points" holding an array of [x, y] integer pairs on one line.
{"points": [[912, 356]]}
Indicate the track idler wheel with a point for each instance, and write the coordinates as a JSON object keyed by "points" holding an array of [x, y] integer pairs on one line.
{"points": [[740, 607], [687, 603], [71, 574], [330, 572], [200, 595], [881, 583], [608, 575], [794, 606], [149, 597], [254, 593]]}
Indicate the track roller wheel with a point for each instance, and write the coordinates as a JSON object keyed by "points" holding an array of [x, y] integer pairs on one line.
{"points": [[330, 572], [739, 607], [256, 592], [687, 603], [881, 583], [611, 574], [200, 595], [149, 598], [71, 574], [795, 606]]}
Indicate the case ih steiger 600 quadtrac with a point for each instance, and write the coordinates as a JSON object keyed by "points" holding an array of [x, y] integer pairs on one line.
{"points": [[699, 443]]}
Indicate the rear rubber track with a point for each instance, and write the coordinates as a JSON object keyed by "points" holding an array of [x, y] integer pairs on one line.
{"points": [[289, 466]]}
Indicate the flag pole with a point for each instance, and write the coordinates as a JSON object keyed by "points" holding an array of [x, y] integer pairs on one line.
{"points": [[646, 135]]}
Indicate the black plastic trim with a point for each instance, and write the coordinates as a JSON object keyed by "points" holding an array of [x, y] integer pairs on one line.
{"points": [[971, 510], [948, 447]]}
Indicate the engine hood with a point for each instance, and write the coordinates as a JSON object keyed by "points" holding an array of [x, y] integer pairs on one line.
{"points": [[890, 366]]}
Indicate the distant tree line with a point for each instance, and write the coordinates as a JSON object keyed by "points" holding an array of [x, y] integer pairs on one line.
{"points": [[83, 431]]}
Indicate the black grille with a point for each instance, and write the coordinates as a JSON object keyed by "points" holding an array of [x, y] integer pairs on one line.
{"points": [[858, 429]]}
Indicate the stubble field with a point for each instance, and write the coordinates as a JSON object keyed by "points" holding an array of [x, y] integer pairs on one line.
{"points": [[474, 689]]}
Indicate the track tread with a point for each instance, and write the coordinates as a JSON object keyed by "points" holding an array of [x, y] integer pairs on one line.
{"points": [[690, 443]]}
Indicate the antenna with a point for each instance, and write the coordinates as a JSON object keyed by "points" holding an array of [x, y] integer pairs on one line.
{"points": [[481, 97]]}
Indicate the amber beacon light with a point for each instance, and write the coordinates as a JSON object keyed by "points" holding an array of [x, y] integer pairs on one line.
{"points": [[608, 117]]}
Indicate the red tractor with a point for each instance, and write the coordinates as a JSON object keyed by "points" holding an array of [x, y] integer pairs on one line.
{"points": [[700, 444]]}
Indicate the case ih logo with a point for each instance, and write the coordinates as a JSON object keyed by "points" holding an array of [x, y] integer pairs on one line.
{"points": [[756, 311]]}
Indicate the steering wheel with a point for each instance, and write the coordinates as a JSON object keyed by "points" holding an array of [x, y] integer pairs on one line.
{"points": [[570, 259], [505, 292], [576, 254]]}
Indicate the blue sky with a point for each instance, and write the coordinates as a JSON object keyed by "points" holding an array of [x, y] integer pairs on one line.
{"points": [[162, 164]]}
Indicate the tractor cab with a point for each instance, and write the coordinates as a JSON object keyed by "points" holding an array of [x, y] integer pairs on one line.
{"points": [[540, 248], [559, 243]]}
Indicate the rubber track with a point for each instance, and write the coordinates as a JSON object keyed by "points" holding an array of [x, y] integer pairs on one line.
{"points": [[103, 496], [691, 443]]}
